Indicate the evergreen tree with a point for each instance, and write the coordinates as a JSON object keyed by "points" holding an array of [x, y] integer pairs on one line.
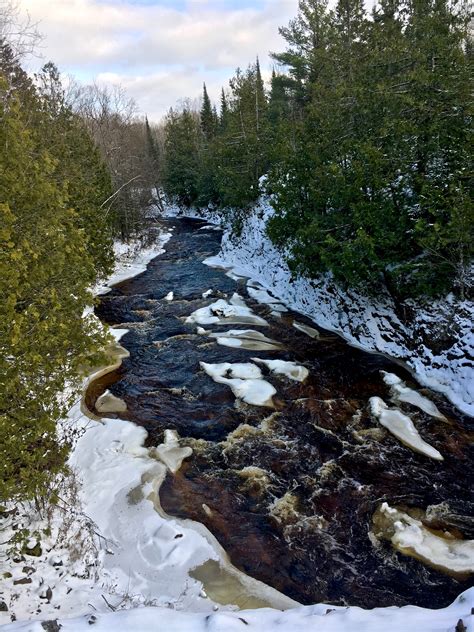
{"points": [[182, 155], [208, 119], [241, 150], [154, 162], [307, 39], [224, 112], [79, 167], [46, 268]]}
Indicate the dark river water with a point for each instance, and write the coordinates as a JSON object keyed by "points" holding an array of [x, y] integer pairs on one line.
{"points": [[289, 492]]}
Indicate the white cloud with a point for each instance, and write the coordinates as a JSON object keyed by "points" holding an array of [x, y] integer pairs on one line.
{"points": [[160, 54]]}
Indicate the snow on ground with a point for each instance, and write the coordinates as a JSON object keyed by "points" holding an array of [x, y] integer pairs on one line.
{"points": [[262, 296], [143, 559], [369, 323], [402, 427], [410, 536], [319, 618]]}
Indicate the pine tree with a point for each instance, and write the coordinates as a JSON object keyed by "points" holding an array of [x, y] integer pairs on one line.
{"points": [[154, 160], [208, 121], [224, 112], [79, 167], [209, 126], [307, 40], [242, 146]]}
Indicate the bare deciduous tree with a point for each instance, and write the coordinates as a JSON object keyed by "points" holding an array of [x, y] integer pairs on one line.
{"points": [[18, 30], [111, 117]]}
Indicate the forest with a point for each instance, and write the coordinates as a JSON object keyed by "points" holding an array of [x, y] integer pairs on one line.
{"points": [[364, 136]]}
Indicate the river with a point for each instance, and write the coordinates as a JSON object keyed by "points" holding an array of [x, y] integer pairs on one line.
{"points": [[290, 488]]}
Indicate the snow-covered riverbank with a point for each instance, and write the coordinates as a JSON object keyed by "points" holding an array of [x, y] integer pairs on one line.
{"points": [[320, 618], [435, 340], [64, 569]]}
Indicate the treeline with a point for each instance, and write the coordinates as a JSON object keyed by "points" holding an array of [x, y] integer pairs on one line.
{"points": [[75, 172], [365, 133], [219, 158]]}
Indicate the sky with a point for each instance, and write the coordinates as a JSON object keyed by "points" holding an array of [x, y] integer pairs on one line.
{"points": [[161, 51]]}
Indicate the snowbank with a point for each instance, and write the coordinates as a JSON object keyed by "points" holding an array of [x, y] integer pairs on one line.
{"points": [[130, 260], [320, 618], [368, 323]]}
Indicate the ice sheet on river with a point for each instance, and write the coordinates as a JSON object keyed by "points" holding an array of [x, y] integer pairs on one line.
{"points": [[291, 370], [109, 403], [410, 536], [402, 427], [232, 312], [402, 393], [246, 339], [306, 329], [170, 451], [245, 380]]}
